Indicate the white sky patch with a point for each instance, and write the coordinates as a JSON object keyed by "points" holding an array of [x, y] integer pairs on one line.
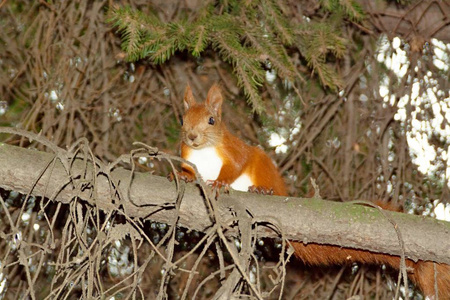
{"points": [[298, 126], [442, 211], [26, 216], [398, 61], [423, 154], [53, 95], [277, 141], [271, 75], [2, 281], [440, 55]]}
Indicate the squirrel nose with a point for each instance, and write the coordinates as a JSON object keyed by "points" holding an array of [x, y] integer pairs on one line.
{"points": [[192, 136]]}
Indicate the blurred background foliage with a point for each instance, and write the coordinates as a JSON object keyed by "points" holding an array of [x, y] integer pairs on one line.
{"points": [[352, 94]]}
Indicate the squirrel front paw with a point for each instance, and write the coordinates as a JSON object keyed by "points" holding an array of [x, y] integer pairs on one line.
{"points": [[260, 190], [218, 185]]}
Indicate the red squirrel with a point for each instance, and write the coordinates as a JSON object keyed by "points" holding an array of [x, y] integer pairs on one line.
{"points": [[220, 157], [223, 159]]}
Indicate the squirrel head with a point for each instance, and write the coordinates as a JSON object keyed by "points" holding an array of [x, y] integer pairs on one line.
{"points": [[202, 122]]}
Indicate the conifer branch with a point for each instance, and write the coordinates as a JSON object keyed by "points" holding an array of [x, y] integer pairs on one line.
{"points": [[200, 39], [277, 21], [350, 8], [250, 35]]}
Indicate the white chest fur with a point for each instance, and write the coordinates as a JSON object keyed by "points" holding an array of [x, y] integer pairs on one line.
{"points": [[209, 164]]}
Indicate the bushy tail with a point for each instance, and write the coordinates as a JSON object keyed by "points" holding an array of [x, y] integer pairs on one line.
{"points": [[429, 276], [426, 275], [422, 273]]}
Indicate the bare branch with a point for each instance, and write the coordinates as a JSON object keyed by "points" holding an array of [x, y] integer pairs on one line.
{"points": [[307, 220]]}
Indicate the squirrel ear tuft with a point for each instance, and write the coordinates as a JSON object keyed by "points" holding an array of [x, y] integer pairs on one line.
{"points": [[189, 100], [214, 100]]}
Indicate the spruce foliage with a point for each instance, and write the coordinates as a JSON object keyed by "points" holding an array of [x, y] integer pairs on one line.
{"points": [[249, 35]]}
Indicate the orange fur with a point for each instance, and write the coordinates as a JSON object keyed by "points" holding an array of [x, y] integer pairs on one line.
{"points": [[421, 274], [239, 158]]}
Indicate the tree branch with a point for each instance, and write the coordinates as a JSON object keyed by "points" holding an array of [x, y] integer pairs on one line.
{"points": [[153, 197], [420, 19]]}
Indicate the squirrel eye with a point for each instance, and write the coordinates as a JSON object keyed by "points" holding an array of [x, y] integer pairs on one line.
{"points": [[211, 121]]}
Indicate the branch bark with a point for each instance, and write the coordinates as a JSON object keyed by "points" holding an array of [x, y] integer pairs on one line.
{"points": [[421, 20], [153, 197]]}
